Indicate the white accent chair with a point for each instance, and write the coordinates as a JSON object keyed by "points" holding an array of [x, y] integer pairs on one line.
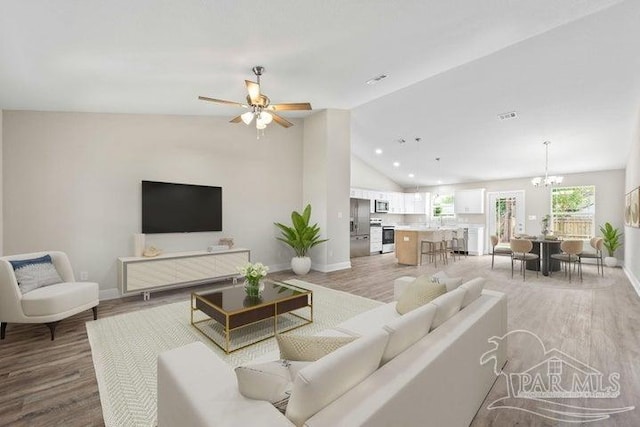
{"points": [[48, 304]]}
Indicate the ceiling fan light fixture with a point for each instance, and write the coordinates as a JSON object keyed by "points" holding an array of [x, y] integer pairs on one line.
{"points": [[260, 124], [247, 117], [265, 117]]}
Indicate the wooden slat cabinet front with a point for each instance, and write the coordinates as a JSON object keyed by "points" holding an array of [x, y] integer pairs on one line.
{"points": [[140, 274]]}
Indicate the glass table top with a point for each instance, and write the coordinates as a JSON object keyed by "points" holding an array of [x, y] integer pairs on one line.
{"points": [[235, 298]]}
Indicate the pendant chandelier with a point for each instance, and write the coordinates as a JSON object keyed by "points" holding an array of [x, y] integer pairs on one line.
{"points": [[547, 180]]}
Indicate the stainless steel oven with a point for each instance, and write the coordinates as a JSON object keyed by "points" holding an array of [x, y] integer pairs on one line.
{"points": [[388, 238]]}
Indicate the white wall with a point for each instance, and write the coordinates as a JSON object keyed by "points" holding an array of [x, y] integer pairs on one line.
{"points": [[631, 234], [72, 182], [609, 197], [326, 166], [364, 176], [1, 198]]}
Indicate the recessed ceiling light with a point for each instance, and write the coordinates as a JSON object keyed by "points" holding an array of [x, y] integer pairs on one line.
{"points": [[378, 151], [376, 79], [439, 181], [411, 175], [396, 164]]}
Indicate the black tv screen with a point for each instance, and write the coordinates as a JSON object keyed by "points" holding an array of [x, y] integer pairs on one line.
{"points": [[180, 208]]}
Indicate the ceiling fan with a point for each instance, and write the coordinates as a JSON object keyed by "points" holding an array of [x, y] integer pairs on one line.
{"points": [[259, 105]]}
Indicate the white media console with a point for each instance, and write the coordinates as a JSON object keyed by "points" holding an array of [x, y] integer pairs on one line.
{"points": [[143, 275]]}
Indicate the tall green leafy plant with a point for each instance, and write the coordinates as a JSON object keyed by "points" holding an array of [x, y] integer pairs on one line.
{"points": [[301, 236], [611, 238]]}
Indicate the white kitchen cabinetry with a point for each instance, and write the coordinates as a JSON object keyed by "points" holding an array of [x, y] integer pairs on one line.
{"points": [[469, 201], [416, 204], [142, 274], [475, 242]]}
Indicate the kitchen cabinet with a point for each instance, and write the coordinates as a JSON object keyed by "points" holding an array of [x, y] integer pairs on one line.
{"points": [[416, 204], [475, 240], [469, 201]]}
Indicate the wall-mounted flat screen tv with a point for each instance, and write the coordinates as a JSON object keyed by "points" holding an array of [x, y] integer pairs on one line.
{"points": [[180, 208]]}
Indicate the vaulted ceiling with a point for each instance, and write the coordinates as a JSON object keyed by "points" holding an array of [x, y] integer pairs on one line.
{"points": [[570, 70]]}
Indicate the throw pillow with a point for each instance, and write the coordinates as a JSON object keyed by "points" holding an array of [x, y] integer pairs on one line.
{"points": [[270, 381], [35, 273], [450, 282], [418, 293], [309, 348]]}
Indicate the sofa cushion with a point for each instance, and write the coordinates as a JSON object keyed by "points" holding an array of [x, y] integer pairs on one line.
{"points": [[474, 289], [406, 330], [309, 348], [58, 298], [322, 382], [35, 273], [370, 320], [418, 293], [447, 305]]}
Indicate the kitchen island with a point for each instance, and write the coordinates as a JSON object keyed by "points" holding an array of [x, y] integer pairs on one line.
{"points": [[408, 244]]}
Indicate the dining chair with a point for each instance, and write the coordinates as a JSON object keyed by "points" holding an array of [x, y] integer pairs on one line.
{"points": [[521, 251], [495, 250], [570, 256], [597, 243]]}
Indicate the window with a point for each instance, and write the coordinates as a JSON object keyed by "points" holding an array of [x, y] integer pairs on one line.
{"points": [[442, 206], [573, 212]]}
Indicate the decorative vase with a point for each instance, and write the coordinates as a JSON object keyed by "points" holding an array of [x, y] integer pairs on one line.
{"points": [[610, 261], [301, 265], [253, 288], [138, 244]]}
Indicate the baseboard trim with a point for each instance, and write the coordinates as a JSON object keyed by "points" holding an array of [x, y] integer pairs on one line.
{"points": [[107, 294], [633, 279], [327, 268]]}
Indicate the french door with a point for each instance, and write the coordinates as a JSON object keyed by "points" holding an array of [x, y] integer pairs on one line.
{"points": [[506, 215]]}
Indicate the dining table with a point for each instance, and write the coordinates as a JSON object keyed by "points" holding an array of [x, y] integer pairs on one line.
{"points": [[544, 248]]}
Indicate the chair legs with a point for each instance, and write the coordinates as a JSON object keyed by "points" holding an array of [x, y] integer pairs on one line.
{"points": [[52, 328], [492, 258], [50, 325]]}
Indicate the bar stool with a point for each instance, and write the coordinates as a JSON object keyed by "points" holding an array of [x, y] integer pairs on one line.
{"points": [[431, 245], [447, 245], [571, 255], [596, 243], [460, 241]]}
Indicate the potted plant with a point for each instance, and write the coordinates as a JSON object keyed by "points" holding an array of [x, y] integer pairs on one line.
{"points": [[611, 241], [253, 274], [301, 237]]}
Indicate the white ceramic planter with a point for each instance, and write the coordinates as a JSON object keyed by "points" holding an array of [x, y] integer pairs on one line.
{"points": [[610, 261], [301, 265]]}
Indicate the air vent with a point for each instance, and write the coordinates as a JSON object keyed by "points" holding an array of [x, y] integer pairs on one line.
{"points": [[376, 79], [507, 116]]}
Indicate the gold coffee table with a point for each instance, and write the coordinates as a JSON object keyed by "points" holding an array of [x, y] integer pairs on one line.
{"points": [[233, 310]]}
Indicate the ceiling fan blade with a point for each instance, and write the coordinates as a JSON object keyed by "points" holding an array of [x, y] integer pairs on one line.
{"points": [[236, 119], [281, 120], [221, 101], [290, 106], [254, 91]]}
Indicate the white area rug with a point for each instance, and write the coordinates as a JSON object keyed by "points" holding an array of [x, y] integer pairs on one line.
{"points": [[125, 349]]}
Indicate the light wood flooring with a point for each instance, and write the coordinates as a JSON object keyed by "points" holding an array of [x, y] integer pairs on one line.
{"points": [[52, 383]]}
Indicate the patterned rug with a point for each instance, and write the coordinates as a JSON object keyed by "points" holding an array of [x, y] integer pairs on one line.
{"points": [[125, 348]]}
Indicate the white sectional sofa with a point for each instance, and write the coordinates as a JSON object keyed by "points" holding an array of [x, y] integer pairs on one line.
{"points": [[394, 375]]}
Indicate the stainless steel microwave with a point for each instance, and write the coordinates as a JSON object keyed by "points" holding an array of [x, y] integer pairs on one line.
{"points": [[382, 205]]}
